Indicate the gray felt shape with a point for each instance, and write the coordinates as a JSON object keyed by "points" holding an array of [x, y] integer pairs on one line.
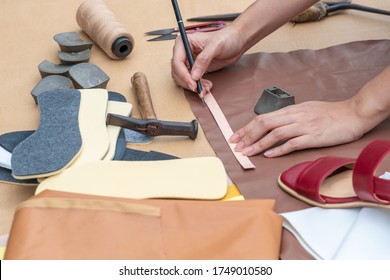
{"points": [[6, 177], [115, 96], [56, 142], [11, 139], [120, 148], [137, 155], [153, 155]]}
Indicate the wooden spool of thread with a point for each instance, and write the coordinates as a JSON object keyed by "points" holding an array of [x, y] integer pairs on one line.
{"points": [[101, 25]]}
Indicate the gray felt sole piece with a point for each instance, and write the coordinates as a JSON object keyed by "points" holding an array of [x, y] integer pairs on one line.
{"points": [[56, 142], [115, 96], [120, 148], [11, 139], [6, 177], [137, 155]]}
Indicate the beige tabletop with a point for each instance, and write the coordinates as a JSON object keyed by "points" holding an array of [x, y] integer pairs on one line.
{"points": [[27, 34]]}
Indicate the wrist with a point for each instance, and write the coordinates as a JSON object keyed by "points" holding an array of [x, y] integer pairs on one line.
{"points": [[370, 108]]}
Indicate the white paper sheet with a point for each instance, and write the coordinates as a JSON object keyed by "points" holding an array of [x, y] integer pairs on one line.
{"points": [[5, 158], [321, 231]]}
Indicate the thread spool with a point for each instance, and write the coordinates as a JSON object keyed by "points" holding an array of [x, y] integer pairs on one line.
{"points": [[101, 25]]}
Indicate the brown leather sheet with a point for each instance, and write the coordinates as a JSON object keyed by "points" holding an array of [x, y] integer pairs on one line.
{"points": [[60, 225], [329, 74]]}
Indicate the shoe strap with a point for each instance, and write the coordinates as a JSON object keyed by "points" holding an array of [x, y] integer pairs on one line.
{"points": [[312, 177], [366, 185]]}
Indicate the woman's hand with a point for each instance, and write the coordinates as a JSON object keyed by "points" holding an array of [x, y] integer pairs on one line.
{"points": [[211, 50], [301, 126]]}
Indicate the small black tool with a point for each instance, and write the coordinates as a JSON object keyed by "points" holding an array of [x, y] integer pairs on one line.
{"points": [[272, 99]]}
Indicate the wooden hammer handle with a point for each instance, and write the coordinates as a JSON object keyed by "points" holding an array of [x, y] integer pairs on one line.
{"points": [[141, 86]]}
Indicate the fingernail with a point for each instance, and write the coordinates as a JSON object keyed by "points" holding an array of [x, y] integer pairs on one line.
{"points": [[269, 153], [239, 146], [234, 138], [247, 151], [196, 74], [191, 87]]}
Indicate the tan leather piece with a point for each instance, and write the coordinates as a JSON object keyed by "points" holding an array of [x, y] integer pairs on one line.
{"points": [[184, 230], [175, 178], [120, 108]]}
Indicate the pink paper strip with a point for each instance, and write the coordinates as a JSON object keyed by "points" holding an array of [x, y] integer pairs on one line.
{"points": [[226, 130]]}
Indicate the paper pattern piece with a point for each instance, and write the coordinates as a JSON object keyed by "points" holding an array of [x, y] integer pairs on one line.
{"points": [[226, 130], [120, 108], [175, 178], [92, 123], [320, 231]]}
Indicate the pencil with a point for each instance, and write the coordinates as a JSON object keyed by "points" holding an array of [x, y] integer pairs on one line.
{"points": [[186, 44]]}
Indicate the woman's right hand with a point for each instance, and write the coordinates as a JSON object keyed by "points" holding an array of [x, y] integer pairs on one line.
{"points": [[211, 50]]}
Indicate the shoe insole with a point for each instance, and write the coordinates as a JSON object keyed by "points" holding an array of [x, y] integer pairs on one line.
{"points": [[189, 178], [338, 185], [120, 108], [6, 177], [57, 141], [92, 123]]}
